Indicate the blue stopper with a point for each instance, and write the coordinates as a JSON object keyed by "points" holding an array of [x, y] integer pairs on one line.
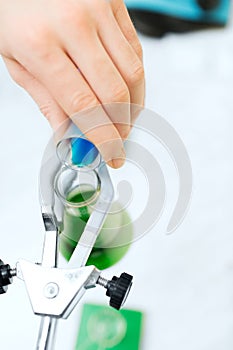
{"points": [[83, 152]]}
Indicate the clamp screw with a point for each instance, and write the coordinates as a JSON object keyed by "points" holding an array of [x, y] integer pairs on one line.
{"points": [[117, 289], [102, 282], [6, 274], [51, 290]]}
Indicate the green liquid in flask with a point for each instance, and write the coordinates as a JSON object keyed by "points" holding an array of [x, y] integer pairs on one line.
{"points": [[115, 236]]}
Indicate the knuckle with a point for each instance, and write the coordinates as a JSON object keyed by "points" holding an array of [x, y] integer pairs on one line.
{"points": [[137, 76], [81, 100], [36, 37], [73, 14], [46, 110], [97, 4], [64, 9], [38, 41], [68, 14], [120, 94]]}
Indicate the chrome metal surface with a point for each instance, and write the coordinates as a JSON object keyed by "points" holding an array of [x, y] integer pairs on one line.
{"points": [[71, 285]]}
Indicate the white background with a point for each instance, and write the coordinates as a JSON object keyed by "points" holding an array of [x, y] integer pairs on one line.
{"points": [[183, 282]]}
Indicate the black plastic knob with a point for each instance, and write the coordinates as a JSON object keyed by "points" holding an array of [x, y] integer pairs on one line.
{"points": [[118, 289], [5, 276]]}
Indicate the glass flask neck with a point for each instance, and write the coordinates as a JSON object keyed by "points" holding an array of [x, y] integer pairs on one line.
{"points": [[77, 188]]}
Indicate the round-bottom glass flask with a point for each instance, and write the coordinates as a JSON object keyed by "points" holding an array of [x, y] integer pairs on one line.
{"points": [[79, 192]]}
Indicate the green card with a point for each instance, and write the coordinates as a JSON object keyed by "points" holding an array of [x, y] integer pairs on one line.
{"points": [[103, 328]]}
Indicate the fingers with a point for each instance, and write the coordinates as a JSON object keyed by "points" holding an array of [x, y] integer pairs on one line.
{"points": [[100, 130], [111, 148], [48, 106], [111, 68], [73, 94], [71, 61], [102, 76]]}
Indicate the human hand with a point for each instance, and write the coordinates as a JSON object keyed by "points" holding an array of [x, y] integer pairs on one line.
{"points": [[74, 54]]}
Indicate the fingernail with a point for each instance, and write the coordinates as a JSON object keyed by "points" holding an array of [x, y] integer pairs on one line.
{"points": [[119, 161]]}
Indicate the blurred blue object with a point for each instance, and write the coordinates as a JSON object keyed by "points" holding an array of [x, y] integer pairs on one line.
{"points": [[179, 15], [83, 152]]}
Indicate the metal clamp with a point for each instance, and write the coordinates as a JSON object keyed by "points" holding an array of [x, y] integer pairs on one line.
{"points": [[54, 292]]}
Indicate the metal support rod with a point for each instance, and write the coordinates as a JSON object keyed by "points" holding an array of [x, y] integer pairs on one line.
{"points": [[46, 338], [48, 325]]}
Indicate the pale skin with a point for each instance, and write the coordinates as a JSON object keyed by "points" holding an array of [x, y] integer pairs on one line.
{"points": [[74, 54]]}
